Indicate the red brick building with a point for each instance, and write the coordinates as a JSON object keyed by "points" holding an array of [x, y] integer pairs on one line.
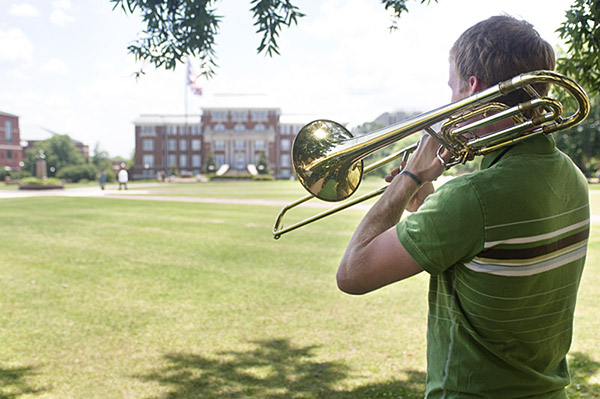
{"points": [[11, 153], [230, 136]]}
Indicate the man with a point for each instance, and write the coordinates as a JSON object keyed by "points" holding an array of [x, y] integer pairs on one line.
{"points": [[504, 246], [123, 178]]}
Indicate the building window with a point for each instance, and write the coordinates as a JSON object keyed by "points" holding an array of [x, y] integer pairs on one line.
{"points": [[172, 145], [148, 131], [171, 130], [290, 129], [285, 160], [285, 144], [182, 161], [239, 128], [148, 160], [172, 161], [260, 116], [196, 161], [196, 145], [219, 145], [148, 145], [9, 154], [239, 116], [259, 145], [239, 144], [260, 128], [8, 131], [220, 158], [219, 116], [196, 130], [182, 145], [219, 128]]}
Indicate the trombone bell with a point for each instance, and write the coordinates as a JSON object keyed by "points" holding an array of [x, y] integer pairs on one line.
{"points": [[320, 165]]}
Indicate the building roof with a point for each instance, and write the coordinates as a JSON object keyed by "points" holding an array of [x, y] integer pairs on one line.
{"points": [[7, 114], [158, 119], [242, 109]]}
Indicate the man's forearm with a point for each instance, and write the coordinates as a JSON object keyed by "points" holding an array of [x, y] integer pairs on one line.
{"points": [[386, 212], [374, 256], [367, 263]]}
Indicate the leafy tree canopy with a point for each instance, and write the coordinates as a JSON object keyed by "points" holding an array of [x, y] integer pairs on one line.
{"points": [[581, 32], [582, 142], [178, 28], [59, 152]]}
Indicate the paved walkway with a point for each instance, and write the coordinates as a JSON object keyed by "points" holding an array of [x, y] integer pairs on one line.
{"points": [[144, 191]]}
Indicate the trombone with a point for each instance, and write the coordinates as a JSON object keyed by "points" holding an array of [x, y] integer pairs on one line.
{"points": [[328, 160]]}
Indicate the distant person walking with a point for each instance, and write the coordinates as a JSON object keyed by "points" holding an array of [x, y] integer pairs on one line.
{"points": [[102, 179], [123, 177]]}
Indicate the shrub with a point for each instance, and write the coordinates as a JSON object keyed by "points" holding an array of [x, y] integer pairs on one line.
{"points": [[263, 178], [75, 173], [34, 181], [4, 173], [230, 177]]}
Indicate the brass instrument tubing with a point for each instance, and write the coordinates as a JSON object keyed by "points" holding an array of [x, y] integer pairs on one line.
{"points": [[357, 148]]}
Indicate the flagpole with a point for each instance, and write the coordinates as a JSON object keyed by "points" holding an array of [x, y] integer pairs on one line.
{"points": [[185, 91]]}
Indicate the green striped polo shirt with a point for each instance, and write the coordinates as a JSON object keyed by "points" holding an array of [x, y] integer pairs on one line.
{"points": [[505, 247]]}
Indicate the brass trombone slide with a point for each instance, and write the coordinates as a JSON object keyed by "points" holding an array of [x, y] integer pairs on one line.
{"points": [[328, 160]]}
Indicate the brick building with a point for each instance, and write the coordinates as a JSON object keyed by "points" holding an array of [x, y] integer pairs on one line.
{"points": [[11, 153], [230, 136]]}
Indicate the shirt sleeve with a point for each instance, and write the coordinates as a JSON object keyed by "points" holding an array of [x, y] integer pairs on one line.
{"points": [[447, 229]]}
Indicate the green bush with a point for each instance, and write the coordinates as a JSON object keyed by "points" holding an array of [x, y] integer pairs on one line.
{"points": [[34, 181], [4, 173], [230, 177], [13, 174], [263, 178], [75, 173]]}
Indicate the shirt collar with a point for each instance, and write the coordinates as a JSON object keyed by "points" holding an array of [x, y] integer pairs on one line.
{"points": [[538, 144]]}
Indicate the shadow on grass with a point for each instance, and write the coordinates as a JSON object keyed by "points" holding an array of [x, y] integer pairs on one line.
{"points": [[584, 376], [274, 370], [13, 384]]}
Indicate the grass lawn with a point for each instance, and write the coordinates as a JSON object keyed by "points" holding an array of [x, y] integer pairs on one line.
{"points": [[114, 298]]}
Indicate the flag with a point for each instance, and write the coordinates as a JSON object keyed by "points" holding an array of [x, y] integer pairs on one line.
{"points": [[192, 79]]}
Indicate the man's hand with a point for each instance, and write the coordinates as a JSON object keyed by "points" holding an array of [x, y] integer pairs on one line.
{"points": [[424, 162], [426, 166], [417, 200]]}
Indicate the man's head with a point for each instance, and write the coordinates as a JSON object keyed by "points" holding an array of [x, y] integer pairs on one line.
{"points": [[498, 49]]}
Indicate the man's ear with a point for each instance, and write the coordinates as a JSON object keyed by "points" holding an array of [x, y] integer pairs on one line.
{"points": [[476, 85]]}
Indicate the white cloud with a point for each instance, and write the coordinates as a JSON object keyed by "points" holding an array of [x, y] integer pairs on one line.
{"points": [[55, 66], [23, 10], [60, 18], [15, 46]]}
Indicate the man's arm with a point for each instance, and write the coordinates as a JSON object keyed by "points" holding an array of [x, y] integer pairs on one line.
{"points": [[374, 256]]}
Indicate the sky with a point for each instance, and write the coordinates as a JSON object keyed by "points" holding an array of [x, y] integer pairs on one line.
{"points": [[64, 65]]}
